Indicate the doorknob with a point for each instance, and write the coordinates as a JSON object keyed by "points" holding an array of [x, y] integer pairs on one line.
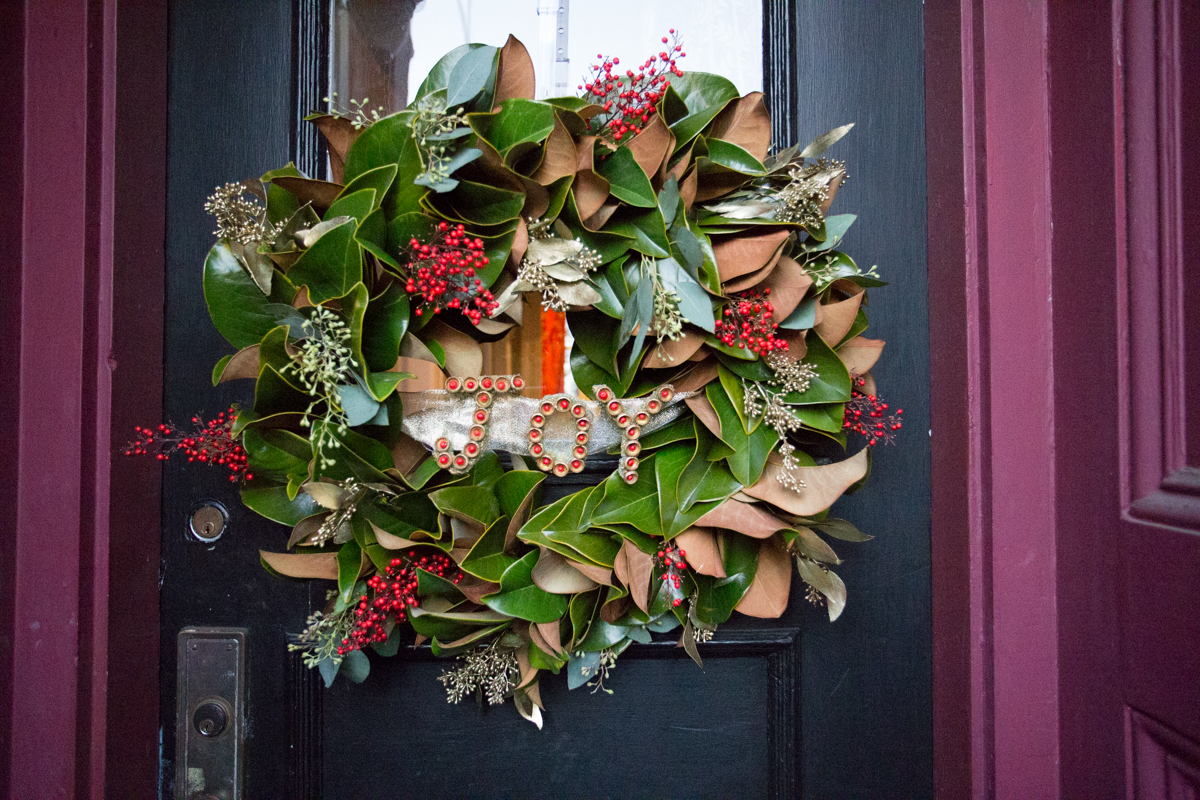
{"points": [[210, 713]]}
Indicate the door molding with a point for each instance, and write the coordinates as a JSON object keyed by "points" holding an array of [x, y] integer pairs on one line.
{"points": [[779, 646]]}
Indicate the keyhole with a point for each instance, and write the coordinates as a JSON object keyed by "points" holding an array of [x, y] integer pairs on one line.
{"points": [[208, 521]]}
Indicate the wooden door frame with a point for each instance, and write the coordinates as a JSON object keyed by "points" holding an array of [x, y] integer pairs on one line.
{"points": [[86, 190]]}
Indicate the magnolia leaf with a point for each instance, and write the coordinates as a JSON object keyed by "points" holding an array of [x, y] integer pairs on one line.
{"points": [[859, 354], [767, 596], [635, 569], [837, 318], [825, 582], [556, 575], [514, 75], [697, 377], [603, 575], [651, 146], [390, 541], [745, 518], [306, 528], [464, 356], [825, 141], [704, 410], [355, 666], [746, 124], [302, 565], [701, 551], [822, 485], [741, 255], [339, 133], [673, 352], [306, 190], [526, 707], [242, 364], [559, 159], [550, 634], [788, 283]]}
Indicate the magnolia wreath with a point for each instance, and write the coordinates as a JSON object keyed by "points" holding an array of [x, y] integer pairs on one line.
{"points": [[718, 355]]}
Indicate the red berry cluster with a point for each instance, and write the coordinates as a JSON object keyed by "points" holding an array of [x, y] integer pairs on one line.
{"points": [[210, 442], [671, 559], [443, 273], [866, 414], [629, 101], [748, 323], [395, 591]]}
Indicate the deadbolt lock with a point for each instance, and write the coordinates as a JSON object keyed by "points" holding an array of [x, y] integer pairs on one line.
{"points": [[211, 717]]}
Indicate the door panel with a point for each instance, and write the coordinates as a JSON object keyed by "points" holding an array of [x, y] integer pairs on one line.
{"points": [[845, 712]]}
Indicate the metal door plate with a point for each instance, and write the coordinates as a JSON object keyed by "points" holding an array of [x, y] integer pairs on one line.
{"points": [[210, 713]]}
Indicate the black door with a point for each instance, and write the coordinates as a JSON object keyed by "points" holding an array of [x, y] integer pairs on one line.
{"points": [[793, 707]]}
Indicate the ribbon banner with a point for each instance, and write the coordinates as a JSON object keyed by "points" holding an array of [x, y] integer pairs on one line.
{"points": [[474, 415]]}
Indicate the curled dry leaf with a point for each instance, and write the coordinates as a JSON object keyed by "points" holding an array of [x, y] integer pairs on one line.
{"points": [[837, 319], [244, 364], [703, 553], [602, 575], [559, 158], [831, 192], [553, 573], [822, 485], [303, 565], [860, 354], [305, 528], [550, 634], [687, 189], [767, 596], [740, 255], [651, 146], [596, 221], [797, 347], [514, 74], [475, 589], [673, 352], [307, 190], [745, 518], [520, 243], [699, 376], [613, 610], [301, 299], [464, 356], [705, 412], [747, 124], [591, 190], [753, 279], [635, 568], [390, 541], [528, 673], [339, 133], [788, 284]]}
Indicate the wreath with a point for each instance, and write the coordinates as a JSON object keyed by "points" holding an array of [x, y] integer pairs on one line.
{"points": [[718, 354]]}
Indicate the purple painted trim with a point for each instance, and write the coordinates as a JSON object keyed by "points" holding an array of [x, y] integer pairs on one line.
{"points": [[82, 296]]}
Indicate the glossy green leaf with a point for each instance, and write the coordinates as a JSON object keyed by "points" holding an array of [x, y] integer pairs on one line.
{"points": [[832, 381], [731, 157], [749, 451], [479, 204], [705, 96], [635, 504], [733, 387], [275, 452], [597, 337], [331, 267], [487, 559], [239, 310], [704, 480], [380, 179], [717, 597], [627, 181], [384, 325], [355, 666], [356, 206], [270, 499], [517, 122], [439, 76], [349, 561], [467, 503], [520, 597]]}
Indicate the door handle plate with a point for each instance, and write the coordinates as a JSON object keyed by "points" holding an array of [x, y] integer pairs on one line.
{"points": [[210, 713]]}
